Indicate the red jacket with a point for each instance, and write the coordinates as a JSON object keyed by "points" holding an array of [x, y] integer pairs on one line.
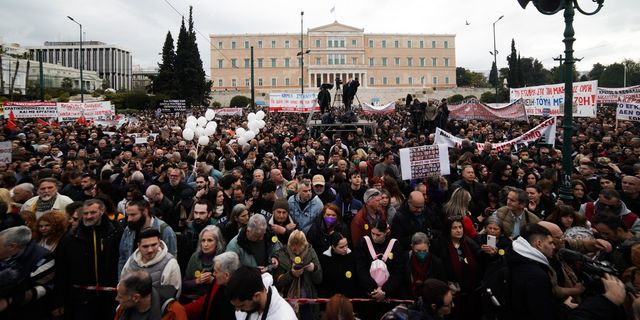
{"points": [[360, 224]]}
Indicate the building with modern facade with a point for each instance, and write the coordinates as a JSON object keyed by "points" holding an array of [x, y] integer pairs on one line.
{"points": [[18, 66], [384, 61], [111, 62]]}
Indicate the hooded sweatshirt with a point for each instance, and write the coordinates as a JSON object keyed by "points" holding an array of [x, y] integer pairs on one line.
{"points": [[163, 268]]}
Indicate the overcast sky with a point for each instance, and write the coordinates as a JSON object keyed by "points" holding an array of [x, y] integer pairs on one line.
{"points": [[141, 25]]}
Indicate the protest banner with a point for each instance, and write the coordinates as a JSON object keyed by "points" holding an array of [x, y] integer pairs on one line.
{"points": [[544, 133], [615, 95], [293, 102], [5, 152], [549, 99], [385, 109], [171, 106], [222, 112], [629, 111], [471, 109], [26, 110], [423, 161], [72, 111]]}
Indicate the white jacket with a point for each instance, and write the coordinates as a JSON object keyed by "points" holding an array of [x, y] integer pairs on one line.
{"points": [[60, 204]]}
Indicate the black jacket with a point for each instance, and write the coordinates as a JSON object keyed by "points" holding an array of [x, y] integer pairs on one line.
{"points": [[338, 275], [531, 295], [318, 236], [76, 258], [20, 276], [405, 224], [396, 285]]}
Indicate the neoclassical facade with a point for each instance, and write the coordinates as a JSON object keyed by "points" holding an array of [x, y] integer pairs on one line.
{"points": [[334, 51]]}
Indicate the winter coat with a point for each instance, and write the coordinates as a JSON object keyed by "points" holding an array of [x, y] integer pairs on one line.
{"points": [[163, 268], [304, 217], [531, 292], [172, 311], [308, 280], [339, 274], [360, 225], [396, 285], [479, 198], [76, 258], [27, 279], [127, 245], [318, 235], [212, 306], [405, 225], [508, 220], [240, 245]]}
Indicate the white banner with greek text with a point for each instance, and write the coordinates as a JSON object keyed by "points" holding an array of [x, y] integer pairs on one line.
{"points": [[548, 100]]}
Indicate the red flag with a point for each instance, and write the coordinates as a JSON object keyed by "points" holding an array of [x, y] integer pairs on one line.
{"points": [[42, 122], [82, 121], [53, 123], [11, 124]]}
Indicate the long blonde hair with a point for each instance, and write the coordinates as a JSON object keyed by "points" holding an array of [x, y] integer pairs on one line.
{"points": [[458, 204], [6, 198]]}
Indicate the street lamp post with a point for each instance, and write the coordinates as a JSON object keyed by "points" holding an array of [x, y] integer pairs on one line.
{"points": [[302, 54], [550, 7], [81, 61], [495, 54]]}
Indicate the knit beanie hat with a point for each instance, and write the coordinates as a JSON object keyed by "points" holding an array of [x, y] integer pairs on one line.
{"points": [[280, 204]]}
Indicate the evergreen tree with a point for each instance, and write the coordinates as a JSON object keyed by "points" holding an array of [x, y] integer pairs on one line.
{"points": [[512, 60], [165, 82], [190, 76], [493, 75]]}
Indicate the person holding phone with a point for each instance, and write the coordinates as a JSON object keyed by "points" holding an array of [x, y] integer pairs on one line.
{"points": [[491, 239], [298, 273]]}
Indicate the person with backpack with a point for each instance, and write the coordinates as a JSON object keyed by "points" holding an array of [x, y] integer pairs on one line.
{"points": [[381, 268], [139, 299]]}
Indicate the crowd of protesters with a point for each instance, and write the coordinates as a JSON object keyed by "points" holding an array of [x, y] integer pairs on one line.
{"points": [[96, 226]]}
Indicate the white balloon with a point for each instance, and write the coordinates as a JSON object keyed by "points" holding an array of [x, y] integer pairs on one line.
{"points": [[187, 134], [250, 134], [211, 124], [191, 125], [199, 132], [192, 119], [251, 117], [262, 124], [260, 115], [242, 141], [202, 121], [210, 114], [240, 132], [203, 140], [209, 131], [254, 125]]}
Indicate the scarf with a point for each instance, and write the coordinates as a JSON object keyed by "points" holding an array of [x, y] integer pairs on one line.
{"points": [[464, 265], [419, 272], [42, 206]]}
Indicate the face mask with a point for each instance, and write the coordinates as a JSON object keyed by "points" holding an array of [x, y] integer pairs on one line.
{"points": [[330, 220], [421, 256]]}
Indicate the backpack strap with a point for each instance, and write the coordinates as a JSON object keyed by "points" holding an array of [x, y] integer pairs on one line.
{"points": [[389, 248], [372, 252]]}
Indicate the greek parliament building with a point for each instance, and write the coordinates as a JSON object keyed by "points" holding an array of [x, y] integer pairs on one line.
{"points": [[110, 62], [379, 61]]}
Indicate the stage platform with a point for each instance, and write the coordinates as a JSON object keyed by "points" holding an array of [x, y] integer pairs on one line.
{"points": [[316, 127]]}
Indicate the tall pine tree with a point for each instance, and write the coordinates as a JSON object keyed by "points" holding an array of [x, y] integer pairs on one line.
{"points": [[165, 82], [514, 79], [190, 76], [493, 75]]}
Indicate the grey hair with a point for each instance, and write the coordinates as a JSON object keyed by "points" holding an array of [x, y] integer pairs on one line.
{"points": [[257, 222], [137, 176], [237, 209], [19, 236], [28, 187], [305, 182], [221, 245], [227, 261], [258, 170], [419, 238]]}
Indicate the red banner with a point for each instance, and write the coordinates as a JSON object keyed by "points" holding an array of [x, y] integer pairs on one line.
{"points": [[471, 109]]}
